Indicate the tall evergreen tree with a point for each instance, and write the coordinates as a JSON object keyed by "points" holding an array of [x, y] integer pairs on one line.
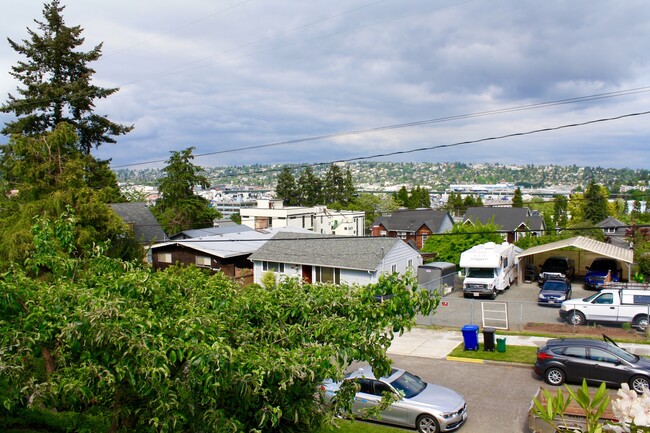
{"points": [[179, 207], [333, 186], [402, 197], [517, 199], [349, 192], [286, 188], [57, 84], [560, 211], [310, 187], [595, 203]]}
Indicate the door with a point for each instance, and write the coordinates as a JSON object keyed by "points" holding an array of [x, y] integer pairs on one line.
{"points": [[602, 308], [306, 274], [607, 367]]}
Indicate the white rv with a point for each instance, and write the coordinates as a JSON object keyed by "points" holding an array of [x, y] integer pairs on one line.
{"points": [[489, 268]]}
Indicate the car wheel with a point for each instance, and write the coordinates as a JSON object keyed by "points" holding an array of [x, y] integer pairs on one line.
{"points": [[554, 376], [641, 322], [467, 295], [639, 384], [427, 424], [494, 294], [577, 318]]}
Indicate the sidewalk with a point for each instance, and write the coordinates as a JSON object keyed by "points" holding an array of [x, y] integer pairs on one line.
{"points": [[437, 343]]}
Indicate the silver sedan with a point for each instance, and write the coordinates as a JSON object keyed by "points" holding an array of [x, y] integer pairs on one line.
{"points": [[426, 407]]}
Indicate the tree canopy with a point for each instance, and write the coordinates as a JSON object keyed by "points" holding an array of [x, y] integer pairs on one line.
{"points": [[179, 207], [57, 87], [449, 246], [336, 189], [180, 350]]}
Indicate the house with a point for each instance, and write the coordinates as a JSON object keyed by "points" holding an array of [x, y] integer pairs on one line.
{"points": [[317, 258], [221, 229], [146, 228], [413, 225], [273, 214], [615, 231], [227, 252], [516, 222]]}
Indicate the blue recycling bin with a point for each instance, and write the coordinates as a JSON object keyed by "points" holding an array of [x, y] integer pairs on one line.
{"points": [[470, 337]]}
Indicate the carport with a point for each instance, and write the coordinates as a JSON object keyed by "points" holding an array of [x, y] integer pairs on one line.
{"points": [[583, 251]]}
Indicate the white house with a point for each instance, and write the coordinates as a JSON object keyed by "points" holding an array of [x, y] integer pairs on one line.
{"points": [[333, 259], [319, 219]]}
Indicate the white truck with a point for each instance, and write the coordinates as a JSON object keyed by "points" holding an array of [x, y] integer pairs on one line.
{"points": [[610, 305], [489, 268]]}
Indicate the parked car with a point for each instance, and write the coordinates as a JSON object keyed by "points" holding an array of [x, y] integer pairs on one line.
{"points": [[597, 272], [575, 359], [424, 406], [557, 266], [554, 291]]}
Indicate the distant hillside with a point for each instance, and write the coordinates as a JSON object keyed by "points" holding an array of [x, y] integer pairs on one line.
{"points": [[435, 176]]}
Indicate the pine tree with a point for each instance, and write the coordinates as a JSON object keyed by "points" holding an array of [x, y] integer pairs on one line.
{"points": [[333, 188], [57, 84], [402, 197], [286, 188], [310, 188], [517, 199], [595, 203], [179, 207]]}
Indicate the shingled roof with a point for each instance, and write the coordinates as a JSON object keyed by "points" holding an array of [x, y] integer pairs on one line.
{"points": [[146, 228], [410, 220], [358, 253], [508, 218]]}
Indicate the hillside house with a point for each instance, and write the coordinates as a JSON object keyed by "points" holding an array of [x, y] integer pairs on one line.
{"points": [[413, 225], [516, 222], [146, 228], [330, 259]]}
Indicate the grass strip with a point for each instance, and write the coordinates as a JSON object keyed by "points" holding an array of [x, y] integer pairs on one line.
{"points": [[518, 354]]}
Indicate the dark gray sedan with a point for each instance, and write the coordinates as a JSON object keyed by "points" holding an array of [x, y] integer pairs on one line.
{"points": [[426, 407], [554, 291], [575, 359]]}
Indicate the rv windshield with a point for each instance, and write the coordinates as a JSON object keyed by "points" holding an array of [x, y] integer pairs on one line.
{"points": [[480, 272]]}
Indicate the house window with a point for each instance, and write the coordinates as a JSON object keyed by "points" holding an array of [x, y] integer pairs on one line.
{"points": [[383, 233], [401, 235], [424, 239], [410, 263], [610, 230], [393, 268], [165, 257], [328, 275], [203, 261], [273, 266]]}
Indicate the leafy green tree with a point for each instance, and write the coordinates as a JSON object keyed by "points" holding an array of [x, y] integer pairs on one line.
{"points": [[455, 204], [595, 207], [401, 197], [560, 211], [286, 188], [179, 207], [180, 350], [42, 176], [517, 199], [374, 205], [57, 84], [449, 246], [310, 187]]}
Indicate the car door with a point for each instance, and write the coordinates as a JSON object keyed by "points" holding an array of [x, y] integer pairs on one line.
{"points": [[369, 396], [602, 308], [606, 367], [575, 362]]}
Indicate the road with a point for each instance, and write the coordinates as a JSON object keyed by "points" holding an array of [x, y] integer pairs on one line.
{"points": [[498, 396]]}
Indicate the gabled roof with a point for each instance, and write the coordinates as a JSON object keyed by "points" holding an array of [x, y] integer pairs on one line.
{"points": [[509, 218], [233, 244], [610, 221], [622, 254], [358, 253], [145, 226], [410, 220]]}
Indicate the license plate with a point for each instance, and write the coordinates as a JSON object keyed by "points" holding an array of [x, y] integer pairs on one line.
{"points": [[476, 295], [551, 302]]}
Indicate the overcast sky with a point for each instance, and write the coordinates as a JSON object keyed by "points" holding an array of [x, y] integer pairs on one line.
{"points": [[229, 75]]}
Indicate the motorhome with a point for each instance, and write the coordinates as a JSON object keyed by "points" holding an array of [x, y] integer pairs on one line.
{"points": [[489, 268]]}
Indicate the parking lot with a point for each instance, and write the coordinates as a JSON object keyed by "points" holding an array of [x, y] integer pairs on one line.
{"points": [[511, 309]]}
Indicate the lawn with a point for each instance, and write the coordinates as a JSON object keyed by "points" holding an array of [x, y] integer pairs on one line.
{"points": [[519, 354], [362, 427]]}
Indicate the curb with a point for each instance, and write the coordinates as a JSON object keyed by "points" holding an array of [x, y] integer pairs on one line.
{"points": [[469, 360]]}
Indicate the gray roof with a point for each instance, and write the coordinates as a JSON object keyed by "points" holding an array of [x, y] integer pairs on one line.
{"points": [[145, 226], [509, 218], [211, 231], [410, 220], [231, 244], [358, 253]]}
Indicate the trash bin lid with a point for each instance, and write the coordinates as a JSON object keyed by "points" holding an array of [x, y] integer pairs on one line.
{"points": [[488, 329], [470, 328]]}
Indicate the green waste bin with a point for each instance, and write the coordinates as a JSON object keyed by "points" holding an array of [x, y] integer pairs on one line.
{"points": [[501, 344]]}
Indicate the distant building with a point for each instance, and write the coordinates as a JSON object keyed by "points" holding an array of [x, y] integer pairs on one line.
{"points": [[516, 222], [271, 213], [146, 228]]}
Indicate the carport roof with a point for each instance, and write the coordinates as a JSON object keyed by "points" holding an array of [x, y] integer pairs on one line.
{"points": [[622, 254]]}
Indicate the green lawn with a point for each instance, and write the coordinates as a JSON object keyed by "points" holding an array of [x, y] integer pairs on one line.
{"points": [[362, 427], [520, 354]]}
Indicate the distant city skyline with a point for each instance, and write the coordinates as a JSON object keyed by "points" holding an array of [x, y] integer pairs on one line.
{"points": [[252, 82]]}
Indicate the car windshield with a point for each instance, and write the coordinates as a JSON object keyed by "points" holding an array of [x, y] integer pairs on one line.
{"points": [[556, 286], [480, 272], [554, 264], [409, 384], [603, 265]]}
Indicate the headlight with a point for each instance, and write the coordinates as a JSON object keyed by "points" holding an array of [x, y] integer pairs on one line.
{"points": [[542, 297], [447, 415]]}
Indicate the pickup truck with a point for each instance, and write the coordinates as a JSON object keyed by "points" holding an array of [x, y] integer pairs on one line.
{"points": [[557, 267], [609, 305]]}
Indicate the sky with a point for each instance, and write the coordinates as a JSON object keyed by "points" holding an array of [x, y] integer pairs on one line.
{"points": [[293, 81]]}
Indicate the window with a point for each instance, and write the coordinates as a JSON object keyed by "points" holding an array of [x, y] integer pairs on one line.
{"points": [[424, 239], [576, 352], [383, 233], [610, 230], [381, 387], [641, 299], [401, 235], [600, 355], [203, 261], [328, 275], [606, 298], [410, 263], [165, 257], [273, 266], [393, 268], [365, 386]]}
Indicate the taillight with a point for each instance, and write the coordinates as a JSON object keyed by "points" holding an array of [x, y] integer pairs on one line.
{"points": [[543, 356]]}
